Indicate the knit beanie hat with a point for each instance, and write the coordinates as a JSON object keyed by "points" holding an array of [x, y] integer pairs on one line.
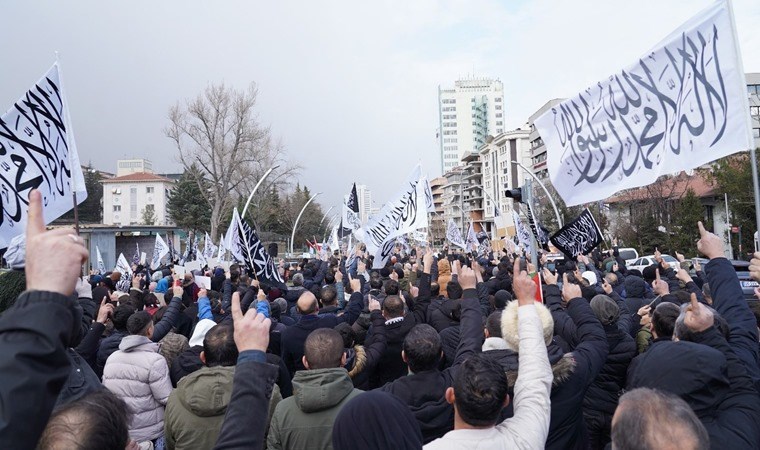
{"points": [[605, 309], [509, 324], [376, 420], [501, 298]]}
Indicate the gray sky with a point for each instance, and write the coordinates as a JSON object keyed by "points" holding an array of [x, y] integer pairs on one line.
{"points": [[349, 87]]}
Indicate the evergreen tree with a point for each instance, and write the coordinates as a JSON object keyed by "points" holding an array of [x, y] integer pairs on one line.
{"points": [[187, 205], [90, 210], [685, 233], [733, 176]]}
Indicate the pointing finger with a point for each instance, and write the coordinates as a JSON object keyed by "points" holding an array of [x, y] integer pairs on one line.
{"points": [[657, 275], [35, 223], [237, 313], [516, 267], [702, 231], [694, 303]]}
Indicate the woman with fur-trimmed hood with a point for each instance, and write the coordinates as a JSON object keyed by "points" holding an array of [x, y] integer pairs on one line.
{"points": [[573, 372]]}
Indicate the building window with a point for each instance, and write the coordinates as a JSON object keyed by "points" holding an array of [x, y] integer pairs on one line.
{"points": [[756, 132], [116, 208], [150, 190], [753, 89], [497, 100], [498, 115], [499, 122], [754, 110], [497, 107]]}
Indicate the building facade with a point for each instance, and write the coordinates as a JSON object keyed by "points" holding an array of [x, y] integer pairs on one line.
{"points": [[128, 166], [467, 114], [365, 202], [130, 199], [437, 223], [753, 90]]}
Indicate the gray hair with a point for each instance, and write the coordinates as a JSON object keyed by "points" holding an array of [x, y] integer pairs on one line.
{"points": [[298, 279], [651, 419]]}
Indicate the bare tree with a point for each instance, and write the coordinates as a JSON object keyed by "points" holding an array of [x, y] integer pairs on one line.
{"points": [[220, 132]]}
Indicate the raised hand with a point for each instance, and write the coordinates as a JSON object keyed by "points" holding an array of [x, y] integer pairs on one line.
{"points": [[467, 278], [105, 311], [709, 244], [523, 285], [570, 290], [549, 277], [53, 258], [698, 316], [251, 330], [659, 286]]}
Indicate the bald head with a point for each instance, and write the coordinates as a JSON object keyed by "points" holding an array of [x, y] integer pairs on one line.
{"points": [[307, 304]]}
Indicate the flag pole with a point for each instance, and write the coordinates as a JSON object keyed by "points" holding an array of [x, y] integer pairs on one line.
{"points": [[69, 131], [752, 151], [293, 234], [546, 191]]}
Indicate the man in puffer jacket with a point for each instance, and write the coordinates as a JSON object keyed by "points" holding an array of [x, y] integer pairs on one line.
{"points": [[138, 374]]}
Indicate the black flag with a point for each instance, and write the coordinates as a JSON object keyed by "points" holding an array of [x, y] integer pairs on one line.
{"points": [[578, 237], [258, 262]]}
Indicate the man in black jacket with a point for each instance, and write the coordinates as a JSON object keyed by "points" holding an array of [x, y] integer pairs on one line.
{"points": [[36, 331], [398, 325], [424, 390], [293, 337]]}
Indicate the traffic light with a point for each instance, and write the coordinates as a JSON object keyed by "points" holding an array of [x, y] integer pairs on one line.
{"points": [[515, 194]]}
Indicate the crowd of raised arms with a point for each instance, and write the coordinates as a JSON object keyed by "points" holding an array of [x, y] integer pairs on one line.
{"points": [[437, 350]]}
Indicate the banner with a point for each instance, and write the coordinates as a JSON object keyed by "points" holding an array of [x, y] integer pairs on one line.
{"points": [[421, 237], [260, 264], [383, 254], [405, 213], [523, 235], [578, 237], [160, 249], [471, 243], [484, 244], [681, 105], [136, 256], [38, 151], [222, 247], [99, 259], [454, 235]]}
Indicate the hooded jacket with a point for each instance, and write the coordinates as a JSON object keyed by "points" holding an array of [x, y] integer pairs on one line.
{"points": [[306, 419], [195, 410], [138, 374]]}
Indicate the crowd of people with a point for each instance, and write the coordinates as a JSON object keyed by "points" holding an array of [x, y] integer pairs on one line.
{"points": [[438, 349]]}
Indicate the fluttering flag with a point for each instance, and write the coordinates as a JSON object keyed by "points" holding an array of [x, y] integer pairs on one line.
{"points": [[350, 212], [101, 265], [523, 235], [406, 212], [539, 232], [199, 256], [136, 257], [38, 151], [172, 252], [679, 106], [122, 266], [454, 235], [428, 194], [248, 246], [471, 243], [484, 244], [579, 236], [208, 247], [160, 249], [222, 253]]}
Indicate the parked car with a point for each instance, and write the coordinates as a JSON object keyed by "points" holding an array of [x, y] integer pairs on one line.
{"points": [[646, 261], [629, 255], [742, 271]]}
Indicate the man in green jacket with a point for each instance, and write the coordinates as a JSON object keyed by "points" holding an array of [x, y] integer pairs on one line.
{"points": [[195, 410], [306, 419]]}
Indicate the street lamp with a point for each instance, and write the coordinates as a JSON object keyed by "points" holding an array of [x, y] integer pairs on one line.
{"points": [[293, 234], [530, 172]]}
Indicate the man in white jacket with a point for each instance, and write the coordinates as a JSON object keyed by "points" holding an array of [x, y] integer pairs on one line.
{"points": [[480, 390]]}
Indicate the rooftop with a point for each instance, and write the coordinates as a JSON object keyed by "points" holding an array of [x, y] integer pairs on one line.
{"points": [[137, 177], [674, 188]]}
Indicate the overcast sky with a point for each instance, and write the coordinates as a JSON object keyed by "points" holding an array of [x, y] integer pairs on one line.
{"points": [[349, 87]]}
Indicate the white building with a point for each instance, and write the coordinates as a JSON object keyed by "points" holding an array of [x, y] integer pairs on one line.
{"points": [[127, 166], [467, 113], [753, 89], [128, 198], [499, 174], [365, 202]]}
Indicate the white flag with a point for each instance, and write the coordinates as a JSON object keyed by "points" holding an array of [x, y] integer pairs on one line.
{"points": [[208, 247], [454, 235], [406, 212], [38, 151], [681, 105], [199, 256], [428, 195], [99, 257], [122, 266], [233, 238], [420, 237], [222, 252], [160, 249], [523, 234], [350, 212], [471, 244]]}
